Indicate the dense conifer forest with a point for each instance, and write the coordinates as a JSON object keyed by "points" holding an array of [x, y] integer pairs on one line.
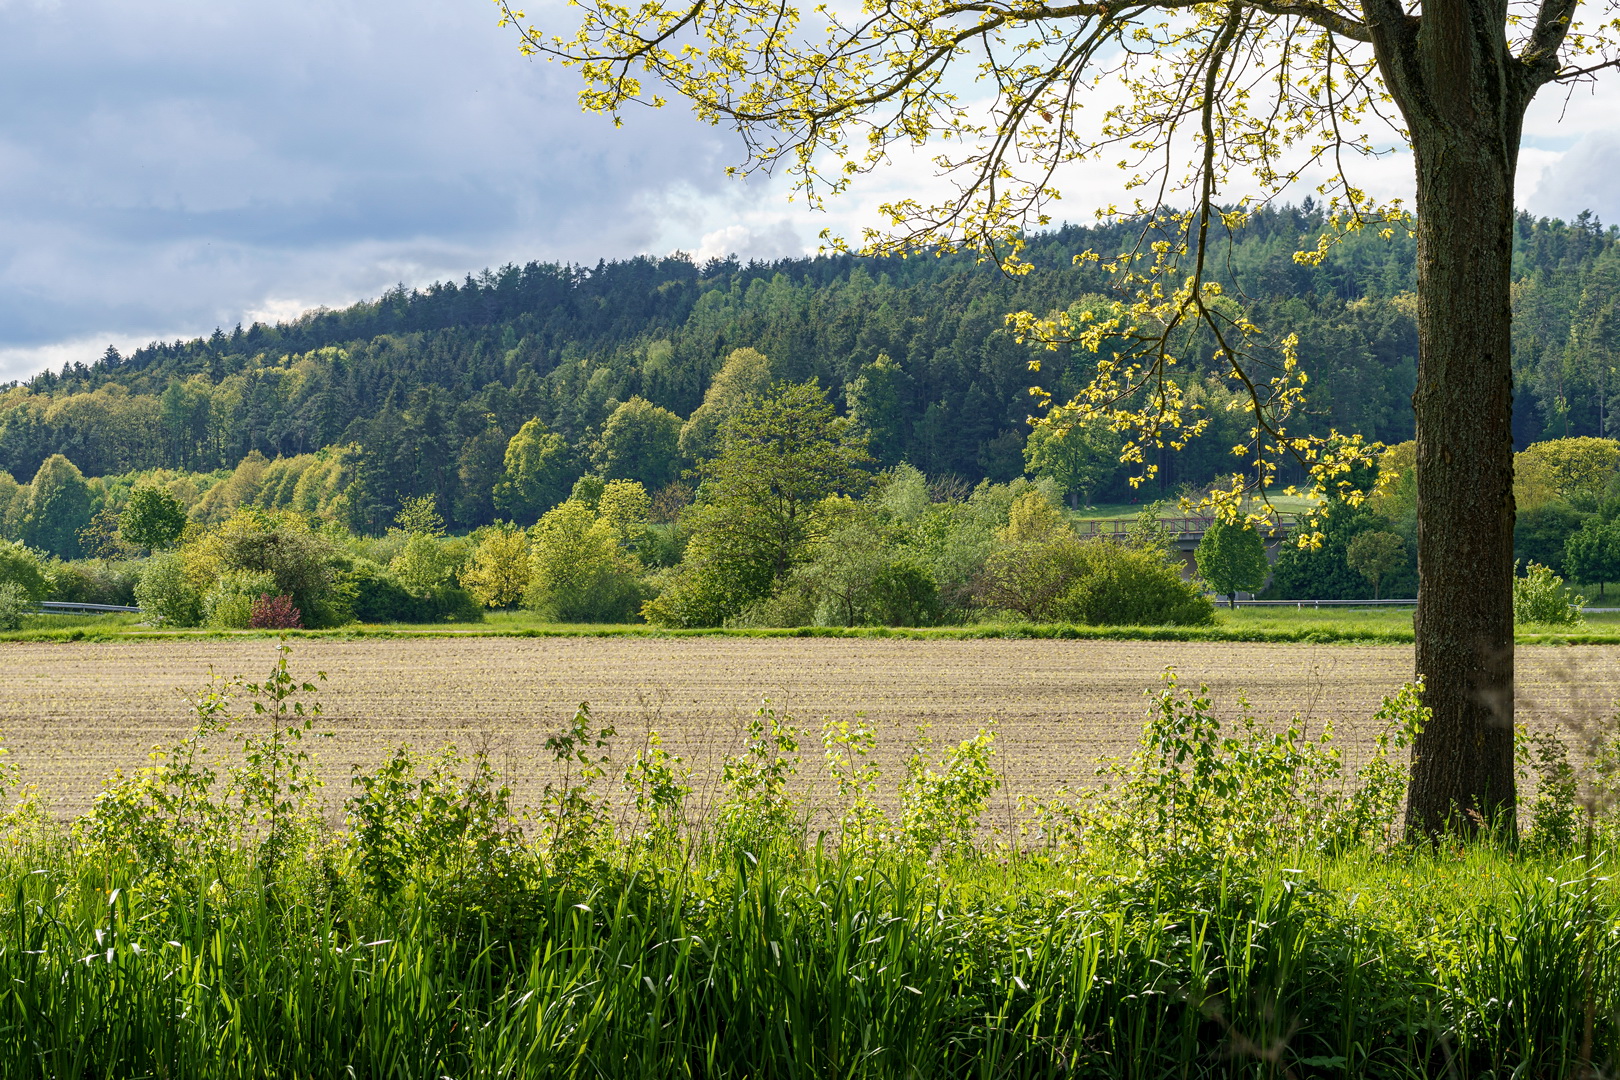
{"points": [[421, 391]]}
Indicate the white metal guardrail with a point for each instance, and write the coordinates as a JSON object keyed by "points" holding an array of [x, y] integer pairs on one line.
{"points": [[64, 607], [1221, 601]]}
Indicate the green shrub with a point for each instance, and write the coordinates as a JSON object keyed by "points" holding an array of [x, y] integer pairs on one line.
{"points": [[498, 573], [25, 567], [447, 823], [658, 783], [574, 818], [14, 602], [704, 595], [374, 595], [165, 594], [1098, 582], [848, 747], [855, 577], [904, 593], [229, 604], [940, 808], [427, 562], [448, 603], [172, 812], [282, 544], [661, 545], [95, 581], [1554, 813], [1031, 577], [581, 572], [1196, 791], [794, 604], [758, 811], [1539, 598], [1119, 585]]}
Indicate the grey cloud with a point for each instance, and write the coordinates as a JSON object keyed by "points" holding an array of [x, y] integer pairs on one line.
{"points": [[1582, 179], [169, 166]]}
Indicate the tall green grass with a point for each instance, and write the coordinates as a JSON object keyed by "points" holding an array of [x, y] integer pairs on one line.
{"points": [[1230, 907], [837, 967]]}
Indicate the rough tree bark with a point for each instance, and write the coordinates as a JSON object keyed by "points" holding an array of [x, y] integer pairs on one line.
{"points": [[1463, 95]]}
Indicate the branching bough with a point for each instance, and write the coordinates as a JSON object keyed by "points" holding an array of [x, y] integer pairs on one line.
{"points": [[1192, 98]]}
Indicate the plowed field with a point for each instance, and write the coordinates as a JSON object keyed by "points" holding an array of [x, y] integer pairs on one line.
{"points": [[72, 712]]}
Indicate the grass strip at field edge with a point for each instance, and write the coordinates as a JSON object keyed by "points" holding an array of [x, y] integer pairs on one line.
{"points": [[1015, 631]]}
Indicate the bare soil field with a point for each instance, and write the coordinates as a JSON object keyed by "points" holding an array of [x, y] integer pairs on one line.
{"points": [[72, 712]]}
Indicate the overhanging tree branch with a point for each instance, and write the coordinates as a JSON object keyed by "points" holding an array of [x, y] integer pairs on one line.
{"points": [[1189, 99]]}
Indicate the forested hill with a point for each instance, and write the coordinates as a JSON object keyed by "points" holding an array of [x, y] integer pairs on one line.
{"points": [[429, 382]]}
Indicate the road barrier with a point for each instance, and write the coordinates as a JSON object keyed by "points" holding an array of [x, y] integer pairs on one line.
{"points": [[63, 607]]}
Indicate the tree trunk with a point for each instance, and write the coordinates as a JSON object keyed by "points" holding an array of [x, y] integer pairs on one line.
{"points": [[1465, 140]]}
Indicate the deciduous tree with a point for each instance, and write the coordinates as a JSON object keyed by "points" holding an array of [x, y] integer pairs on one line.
{"points": [[1576, 469], [640, 441], [1080, 452], [1374, 554], [538, 473], [1246, 92], [745, 375], [58, 507], [1593, 552], [152, 519], [581, 572], [1232, 558], [498, 574], [756, 515]]}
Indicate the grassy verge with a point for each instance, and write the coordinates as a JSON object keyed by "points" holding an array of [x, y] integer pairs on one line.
{"points": [[825, 965], [1377, 626]]}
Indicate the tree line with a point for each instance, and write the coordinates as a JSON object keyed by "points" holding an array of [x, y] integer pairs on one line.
{"points": [[786, 519], [425, 388]]}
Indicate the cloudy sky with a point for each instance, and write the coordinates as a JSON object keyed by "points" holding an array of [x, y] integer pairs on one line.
{"points": [[171, 166]]}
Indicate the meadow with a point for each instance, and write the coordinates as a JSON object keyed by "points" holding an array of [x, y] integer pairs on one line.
{"points": [[1227, 900]]}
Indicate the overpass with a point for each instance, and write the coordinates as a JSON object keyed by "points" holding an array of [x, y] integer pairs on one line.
{"points": [[1184, 531]]}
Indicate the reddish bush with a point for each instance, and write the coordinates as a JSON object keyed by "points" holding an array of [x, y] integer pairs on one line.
{"points": [[274, 613]]}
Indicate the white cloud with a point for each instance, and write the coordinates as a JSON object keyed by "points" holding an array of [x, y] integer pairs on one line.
{"points": [[19, 362], [778, 240], [1579, 178]]}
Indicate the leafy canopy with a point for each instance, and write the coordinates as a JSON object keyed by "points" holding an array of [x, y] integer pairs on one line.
{"points": [[1373, 554], [1232, 558], [757, 516], [1077, 451], [537, 473], [152, 518]]}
